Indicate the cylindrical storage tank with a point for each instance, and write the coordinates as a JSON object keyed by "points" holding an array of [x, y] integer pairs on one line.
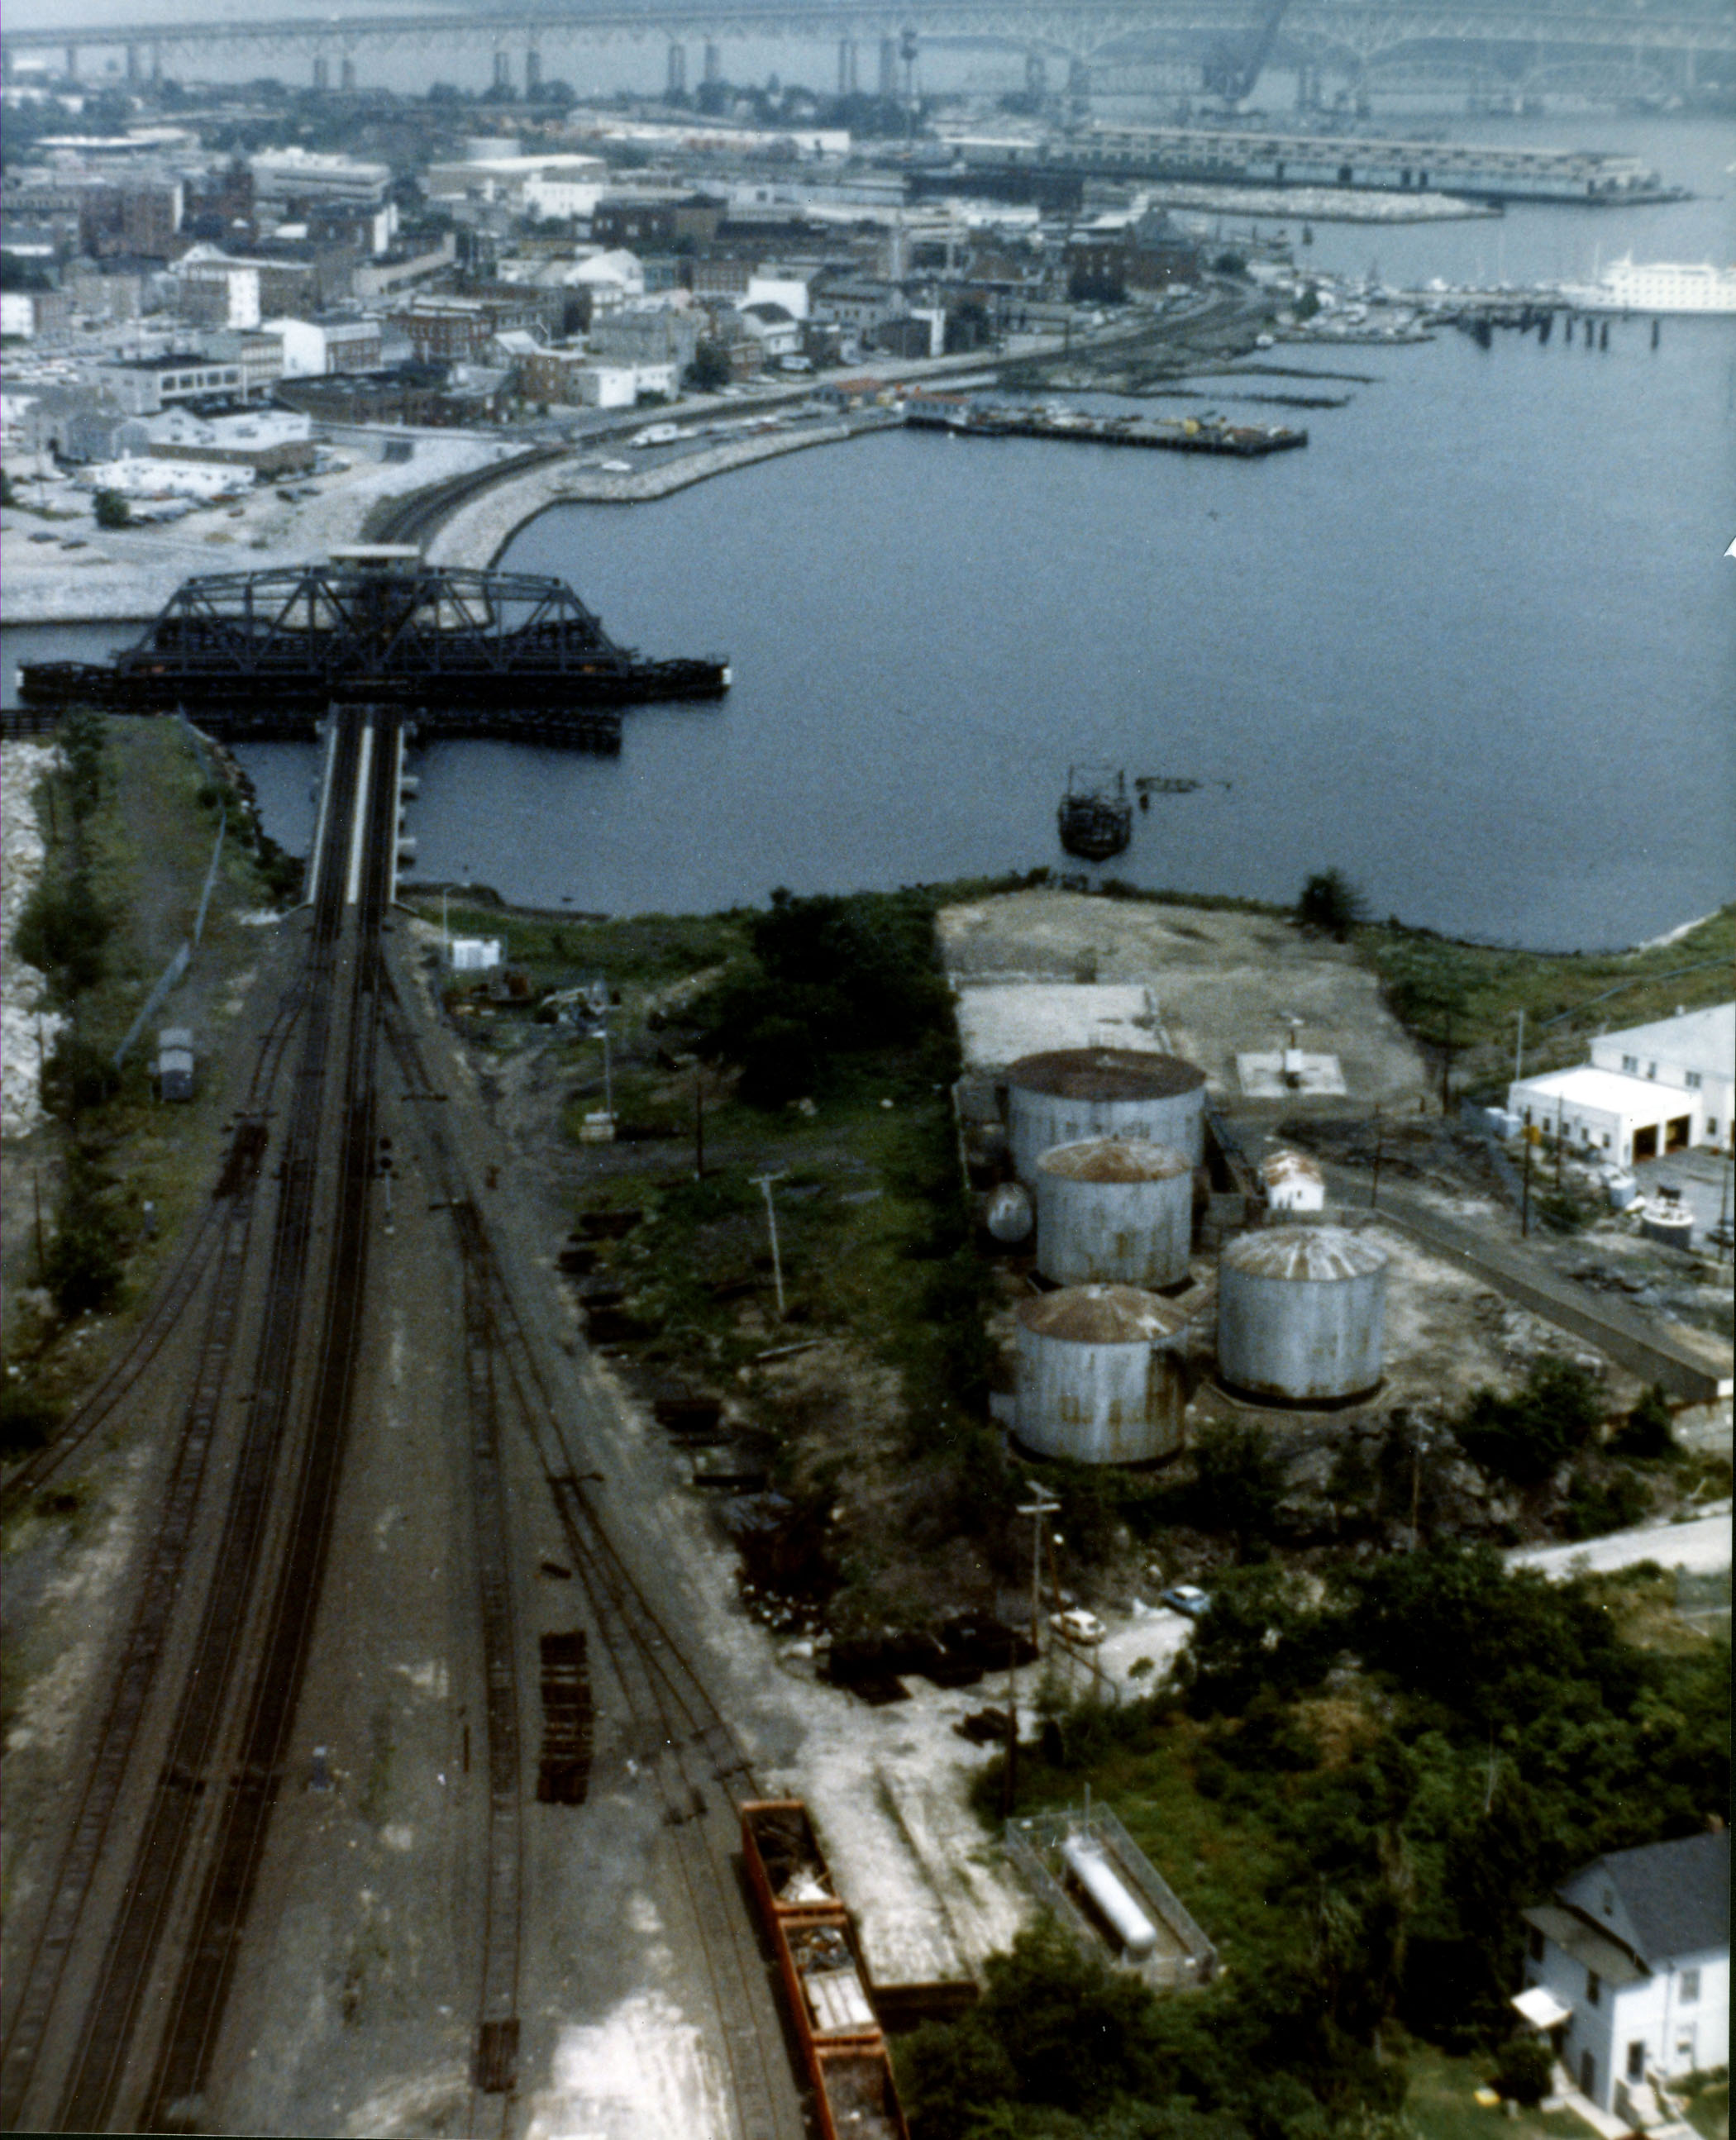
{"points": [[1115, 1211], [1670, 1225], [1008, 1215], [1096, 1379], [1073, 1093], [1302, 1314]]}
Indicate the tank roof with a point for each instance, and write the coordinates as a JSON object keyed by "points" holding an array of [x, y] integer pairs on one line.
{"points": [[1105, 1073], [1102, 1315], [1115, 1159], [1322, 1255]]}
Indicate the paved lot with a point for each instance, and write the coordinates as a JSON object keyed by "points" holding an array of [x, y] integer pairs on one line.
{"points": [[1703, 1179]]}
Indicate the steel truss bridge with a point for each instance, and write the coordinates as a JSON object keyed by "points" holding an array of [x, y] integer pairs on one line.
{"points": [[260, 653], [1088, 36]]}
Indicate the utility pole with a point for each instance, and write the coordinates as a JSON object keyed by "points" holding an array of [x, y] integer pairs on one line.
{"points": [[763, 1182], [1038, 1508], [1531, 1138], [698, 1123], [1519, 1052], [1561, 1134], [1447, 1069], [609, 1078], [1379, 1147]]}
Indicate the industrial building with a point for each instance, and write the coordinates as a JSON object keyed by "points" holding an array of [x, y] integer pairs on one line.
{"points": [[1664, 1087]]}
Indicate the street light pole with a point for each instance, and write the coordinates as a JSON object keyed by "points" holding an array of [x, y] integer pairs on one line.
{"points": [[763, 1182]]}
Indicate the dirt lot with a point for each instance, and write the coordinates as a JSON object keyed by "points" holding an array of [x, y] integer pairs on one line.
{"points": [[1223, 982]]}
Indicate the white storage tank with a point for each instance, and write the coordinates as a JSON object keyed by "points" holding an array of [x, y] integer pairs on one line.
{"points": [[1301, 1314], [1072, 1093], [1097, 1381], [1115, 1211]]}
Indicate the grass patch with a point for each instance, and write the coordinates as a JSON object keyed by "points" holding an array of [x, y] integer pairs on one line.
{"points": [[1442, 2103], [1567, 997], [1706, 2098]]}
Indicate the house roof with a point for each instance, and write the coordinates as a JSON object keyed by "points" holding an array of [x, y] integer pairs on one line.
{"points": [[1617, 1093], [1663, 1901], [1699, 1038], [1588, 1947]]}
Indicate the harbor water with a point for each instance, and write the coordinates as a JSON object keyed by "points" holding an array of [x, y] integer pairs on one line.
{"points": [[1476, 646]]}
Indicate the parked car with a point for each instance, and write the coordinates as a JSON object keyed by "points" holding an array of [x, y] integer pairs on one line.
{"points": [[1076, 1625], [1188, 1598]]}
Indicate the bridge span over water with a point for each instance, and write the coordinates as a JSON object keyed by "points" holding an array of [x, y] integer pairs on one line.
{"points": [[1098, 39]]}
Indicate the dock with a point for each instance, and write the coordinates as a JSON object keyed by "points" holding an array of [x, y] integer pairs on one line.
{"points": [[1170, 434]]}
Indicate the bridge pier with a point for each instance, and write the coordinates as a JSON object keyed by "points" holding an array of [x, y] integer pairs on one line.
{"points": [[132, 62], [712, 64], [1036, 75], [346, 75], [156, 63], [72, 63], [322, 73], [847, 66], [503, 69], [676, 79], [533, 72], [889, 68]]}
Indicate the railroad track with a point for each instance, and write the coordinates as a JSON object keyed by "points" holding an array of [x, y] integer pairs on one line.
{"points": [[683, 1739], [419, 516], [178, 1288]]}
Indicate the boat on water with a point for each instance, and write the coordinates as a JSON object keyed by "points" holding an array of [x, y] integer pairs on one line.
{"points": [[1665, 286], [1095, 818]]}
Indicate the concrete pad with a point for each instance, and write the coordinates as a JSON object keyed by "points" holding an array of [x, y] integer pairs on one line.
{"points": [[1263, 1076], [998, 1024]]}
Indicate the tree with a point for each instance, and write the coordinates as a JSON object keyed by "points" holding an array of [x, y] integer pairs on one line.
{"points": [[1330, 904], [1238, 1480], [710, 369], [1525, 1436], [82, 1267], [62, 932], [112, 510]]}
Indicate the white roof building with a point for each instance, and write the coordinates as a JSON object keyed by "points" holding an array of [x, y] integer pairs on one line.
{"points": [[1648, 1090]]}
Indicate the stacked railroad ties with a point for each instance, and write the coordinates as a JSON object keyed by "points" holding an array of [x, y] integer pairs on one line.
{"points": [[1109, 1146]]}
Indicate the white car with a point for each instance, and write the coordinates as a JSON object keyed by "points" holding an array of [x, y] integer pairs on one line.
{"points": [[1078, 1626]]}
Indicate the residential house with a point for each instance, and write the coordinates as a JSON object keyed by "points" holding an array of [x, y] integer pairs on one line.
{"points": [[773, 326], [1648, 1090], [1627, 1969]]}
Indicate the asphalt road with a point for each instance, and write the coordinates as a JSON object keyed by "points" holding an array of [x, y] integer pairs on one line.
{"points": [[1703, 1547]]}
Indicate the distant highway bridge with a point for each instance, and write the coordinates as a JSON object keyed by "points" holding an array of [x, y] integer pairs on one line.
{"points": [[1087, 38]]}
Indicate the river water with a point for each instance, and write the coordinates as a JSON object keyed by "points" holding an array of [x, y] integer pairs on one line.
{"points": [[1475, 646]]}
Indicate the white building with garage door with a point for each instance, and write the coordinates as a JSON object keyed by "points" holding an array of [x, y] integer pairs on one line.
{"points": [[1649, 1089]]}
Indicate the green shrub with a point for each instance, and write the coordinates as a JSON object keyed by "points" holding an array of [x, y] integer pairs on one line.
{"points": [[1525, 1436], [27, 1422], [1332, 904], [1646, 1434], [82, 1267], [1523, 2070], [63, 932], [112, 510], [1595, 1507]]}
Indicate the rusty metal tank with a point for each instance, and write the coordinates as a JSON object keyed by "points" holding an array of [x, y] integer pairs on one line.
{"points": [[1116, 1211], [1073, 1093], [1099, 1380], [1301, 1314]]}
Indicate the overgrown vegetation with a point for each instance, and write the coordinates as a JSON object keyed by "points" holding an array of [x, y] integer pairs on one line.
{"points": [[1361, 1778], [1330, 904], [1468, 996]]}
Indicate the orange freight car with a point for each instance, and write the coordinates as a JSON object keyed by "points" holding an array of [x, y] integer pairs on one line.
{"points": [[824, 1980]]}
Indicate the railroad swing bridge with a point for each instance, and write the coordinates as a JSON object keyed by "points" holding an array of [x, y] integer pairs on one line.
{"points": [[265, 654]]}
